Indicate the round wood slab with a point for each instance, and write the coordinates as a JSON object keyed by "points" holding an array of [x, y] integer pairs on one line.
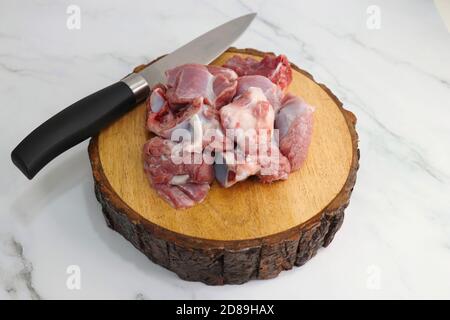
{"points": [[248, 231]]}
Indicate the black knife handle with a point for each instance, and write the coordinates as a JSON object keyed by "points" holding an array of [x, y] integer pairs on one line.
{"points": [[71, 126]]}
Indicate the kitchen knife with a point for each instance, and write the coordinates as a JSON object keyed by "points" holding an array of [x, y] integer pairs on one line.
{"points": [[86, 117]]}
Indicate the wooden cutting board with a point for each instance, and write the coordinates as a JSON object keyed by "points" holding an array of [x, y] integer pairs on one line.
{"points": [[248, 231]]}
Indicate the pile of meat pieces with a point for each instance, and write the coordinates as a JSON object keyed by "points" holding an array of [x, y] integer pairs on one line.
{"points": [[226, 123]]}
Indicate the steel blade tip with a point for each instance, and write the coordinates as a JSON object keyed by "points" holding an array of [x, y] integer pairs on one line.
{"points": [[249, 17], [202, 49]]}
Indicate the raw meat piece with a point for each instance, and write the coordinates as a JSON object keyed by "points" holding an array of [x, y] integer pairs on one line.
{"points": [[295, 124], [224, 85], [272, 92], [277, 69], [161, 166], [274, 165], [252, 114], [188, 82], [222, 71], [163, 120], [181, 184], [207, 128], [234, 166], [182, 196], [198, 119]]}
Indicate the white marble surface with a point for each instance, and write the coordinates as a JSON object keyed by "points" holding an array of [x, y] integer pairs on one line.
{"points": [[395, 241]]}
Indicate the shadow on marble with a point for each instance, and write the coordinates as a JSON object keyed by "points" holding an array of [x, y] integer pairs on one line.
{"points": [[119, 245], [49, 185]]}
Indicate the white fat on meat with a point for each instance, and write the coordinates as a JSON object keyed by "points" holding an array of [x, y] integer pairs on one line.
{"points": [[179, 179], [272, 92], [249, 111], [196, 129], [204, 129], [157, 100]]}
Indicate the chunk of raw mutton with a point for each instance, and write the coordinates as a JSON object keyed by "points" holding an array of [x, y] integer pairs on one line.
{"points": [[276, 68], [162, 119], [246, 118], [179, 177], [216, 85], [272, 92], [295, 124], [201, 121], [251, 117], [234, 166], [274, 165], [206, 127], [182, 196], [167, 162]]}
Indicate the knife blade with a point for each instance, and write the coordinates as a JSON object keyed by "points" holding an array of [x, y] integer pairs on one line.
{"points": [[203, 49], [88, 116]]}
